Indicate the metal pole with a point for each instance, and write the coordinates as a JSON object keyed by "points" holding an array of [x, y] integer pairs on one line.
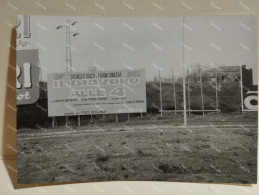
{"points": [[103, 117], [241, 88], [217, 101], [67, 48], [66, 122], [202, 100], [188, 84], [174, 90], [184, 92], [128, 117], [161, 101], [91, 118], [69, 45]]}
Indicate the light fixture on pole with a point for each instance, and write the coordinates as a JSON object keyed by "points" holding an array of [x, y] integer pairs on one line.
{"points": [[69, 32]]}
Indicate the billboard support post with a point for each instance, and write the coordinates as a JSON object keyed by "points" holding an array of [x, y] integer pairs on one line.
{"points": [[78, 120], [91, 121], [53, 121], [116, 118]]}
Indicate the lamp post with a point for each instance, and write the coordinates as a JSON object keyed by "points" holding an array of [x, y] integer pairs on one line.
{"points": [[69, 31]]}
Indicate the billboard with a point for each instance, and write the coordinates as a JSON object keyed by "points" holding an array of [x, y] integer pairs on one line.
{"points": [[249, 91], [250, 101], [27, 76], [27, 63], [96, 92]]}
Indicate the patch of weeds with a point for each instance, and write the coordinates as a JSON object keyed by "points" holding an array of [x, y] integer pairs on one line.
{"points": [[102, 158], [168, 168], [140, 152], [123, 168]]}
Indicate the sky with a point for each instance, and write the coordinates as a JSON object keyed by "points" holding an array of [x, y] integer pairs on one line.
{"points": [[149, 43]]}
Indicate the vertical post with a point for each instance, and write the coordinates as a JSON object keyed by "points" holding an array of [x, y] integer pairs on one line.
{"points": [[103, 117], [202, 100], [128, 117], [184, 92], [116, 118], [173, 80], [91, 118], [53, 122], [188, 88], [78, 121], [217, 101], [141, 116], [241, 89], [160, 89], [66, 122]]}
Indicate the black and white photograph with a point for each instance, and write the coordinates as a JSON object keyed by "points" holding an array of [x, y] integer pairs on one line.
{"points": [[153, 98]]}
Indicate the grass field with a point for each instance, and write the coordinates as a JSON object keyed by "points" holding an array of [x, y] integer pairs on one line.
{"points": [[196, 154]]}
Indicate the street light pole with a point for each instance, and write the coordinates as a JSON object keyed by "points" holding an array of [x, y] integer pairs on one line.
{"points": [[68, 31]]}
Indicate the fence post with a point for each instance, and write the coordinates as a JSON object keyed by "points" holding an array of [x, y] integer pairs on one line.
{"points": [[66, 122], [188, 87], [202, 100], [174, 90], [217, 101], [161, 99]]}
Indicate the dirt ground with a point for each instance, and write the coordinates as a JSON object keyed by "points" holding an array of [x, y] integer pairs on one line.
{"points": [[226, 154]]}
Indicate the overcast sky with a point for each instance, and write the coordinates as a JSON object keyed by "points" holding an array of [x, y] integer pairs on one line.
{"points": [[146, 42]]}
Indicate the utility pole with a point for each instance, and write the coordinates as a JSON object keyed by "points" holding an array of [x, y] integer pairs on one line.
{"points": [[184, 92]]}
